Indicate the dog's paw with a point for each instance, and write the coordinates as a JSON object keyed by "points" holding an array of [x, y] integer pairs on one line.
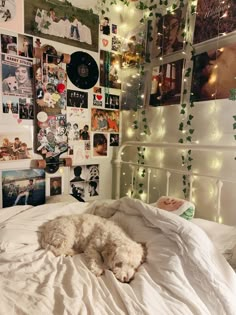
{"points": [[96, 270]]}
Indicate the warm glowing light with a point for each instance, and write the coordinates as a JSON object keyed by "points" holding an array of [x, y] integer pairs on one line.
{"points": [[130, 132], [213, 79], [216, 164]]}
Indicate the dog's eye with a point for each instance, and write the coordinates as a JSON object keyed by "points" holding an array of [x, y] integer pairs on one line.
{"points": [[119, 264]]}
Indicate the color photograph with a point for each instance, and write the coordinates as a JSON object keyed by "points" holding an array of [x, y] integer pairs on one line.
{"points": [[16, 142], [213, 19], [100, 145], [63, 22], [9, 44], [111, 61], [105, 120], [55, 186], [214, 74], [23, 187], [166, 84]]}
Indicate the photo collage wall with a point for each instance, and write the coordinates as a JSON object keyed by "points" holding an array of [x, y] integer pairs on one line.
{"points": [[78, 105], [166, 33]]}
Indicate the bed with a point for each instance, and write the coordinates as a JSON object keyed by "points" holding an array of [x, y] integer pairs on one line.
{"points": [[186, 271]]}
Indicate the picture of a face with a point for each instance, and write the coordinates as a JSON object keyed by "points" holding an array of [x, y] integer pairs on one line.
{"points": [[21, 74]]}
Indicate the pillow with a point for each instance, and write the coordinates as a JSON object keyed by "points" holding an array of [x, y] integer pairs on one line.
{"points": [[181, 207], [222, 236], [60, 198]]}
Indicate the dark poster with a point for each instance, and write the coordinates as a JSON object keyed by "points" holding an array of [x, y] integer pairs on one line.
{"points": [[214, 18]]}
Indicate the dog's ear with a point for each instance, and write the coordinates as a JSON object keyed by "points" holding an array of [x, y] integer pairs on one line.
{"points": [[144, 257], [109, 252]]}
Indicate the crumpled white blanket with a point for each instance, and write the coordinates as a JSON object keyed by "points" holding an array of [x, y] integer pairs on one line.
{"points": [[184, 273]]}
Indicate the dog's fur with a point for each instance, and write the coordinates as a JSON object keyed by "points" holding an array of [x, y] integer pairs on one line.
{"points": [[104, 243], [11, 83]]}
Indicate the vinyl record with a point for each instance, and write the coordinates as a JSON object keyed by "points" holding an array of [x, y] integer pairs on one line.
{"points": [[82, 70]]}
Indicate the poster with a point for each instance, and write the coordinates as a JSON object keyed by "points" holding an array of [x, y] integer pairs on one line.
{"points": [[17, 76], [84, 182], [166, 84], [23, 187], [110, 65], [66, 22], [165, 34], [214, 74], [213, 19]]}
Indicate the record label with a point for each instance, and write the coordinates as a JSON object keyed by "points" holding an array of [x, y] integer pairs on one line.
{"points": [[82, 70]]}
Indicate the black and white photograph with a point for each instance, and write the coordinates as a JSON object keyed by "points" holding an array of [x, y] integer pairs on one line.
{"points": [[114, 140], [112, 101], [26, 108], [17, 76], [25, 46], [84, 181], [10, 105], [7, 11]]}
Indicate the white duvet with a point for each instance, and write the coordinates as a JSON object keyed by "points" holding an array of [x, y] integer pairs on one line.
{"points": [[184, 273]]}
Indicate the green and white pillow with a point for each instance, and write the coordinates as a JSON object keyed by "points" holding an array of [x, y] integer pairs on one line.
{"points": [[181, 207]]}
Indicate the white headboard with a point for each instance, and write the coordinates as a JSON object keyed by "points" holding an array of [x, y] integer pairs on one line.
{"points": [[192, 175]]}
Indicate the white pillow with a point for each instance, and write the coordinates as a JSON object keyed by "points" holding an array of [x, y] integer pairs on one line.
{"points": [[223, 236], [60, 198]]}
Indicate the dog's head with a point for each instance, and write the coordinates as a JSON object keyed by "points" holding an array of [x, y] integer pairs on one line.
{"points": [[12, 83], [124, 260]]}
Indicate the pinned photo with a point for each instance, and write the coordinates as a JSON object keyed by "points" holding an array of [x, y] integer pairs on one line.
{"points": [[7, 10], [23, 187], [100, 145], [97, 99], [113, 61], [55, 186], [166, 88], [9, 44], [26, 108], [77, 98], [105, 120], [25, 46]]}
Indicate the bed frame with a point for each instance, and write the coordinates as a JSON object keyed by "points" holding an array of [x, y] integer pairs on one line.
{"points": [[219, 180]]}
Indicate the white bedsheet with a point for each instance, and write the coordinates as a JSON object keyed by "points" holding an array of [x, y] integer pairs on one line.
{"points": [[184, 273]]}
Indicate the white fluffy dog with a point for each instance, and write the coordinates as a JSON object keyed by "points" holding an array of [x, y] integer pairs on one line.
{"points": [[104, 243]]}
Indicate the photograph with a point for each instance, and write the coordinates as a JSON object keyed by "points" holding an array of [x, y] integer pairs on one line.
{"points": [[9, 44], [23, 187], [166, 88], [214, 74], [66, 22], [84, 181], [105, 26], [10, 105], [111, 61], [116, 43], [164, 34], [133, 48], [112, 101], [26, 108], [105, 120], [25, 46], [77, 98], [16, 143], [214, 19], [17, 76], [55, 186], [100, 145], [114, 140], [7, 11]]}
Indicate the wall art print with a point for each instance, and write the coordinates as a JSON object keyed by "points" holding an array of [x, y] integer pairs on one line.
{"points": [[164, 34], [7, 11], [214, 74], [166, 84], [67, 22], [84, 181], [213, 19], [23, 187]]}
